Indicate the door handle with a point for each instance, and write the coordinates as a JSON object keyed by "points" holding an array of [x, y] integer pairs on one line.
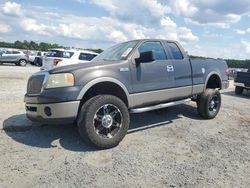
{"points": [[170, 68]]}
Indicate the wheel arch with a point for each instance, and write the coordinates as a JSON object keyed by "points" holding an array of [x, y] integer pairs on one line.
{"points": [[105, 85], [21, 59], [213, 81]]}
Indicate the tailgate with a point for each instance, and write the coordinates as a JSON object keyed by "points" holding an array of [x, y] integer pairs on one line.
{"points": [[243, 77]]}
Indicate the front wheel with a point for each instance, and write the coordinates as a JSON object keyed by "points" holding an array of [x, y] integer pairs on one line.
{"points": [[209, 103], [22, 62], [103, 121]]}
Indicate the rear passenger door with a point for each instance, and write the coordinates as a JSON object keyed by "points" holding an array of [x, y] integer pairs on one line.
{"points": [[15, 55], [182, 69]]}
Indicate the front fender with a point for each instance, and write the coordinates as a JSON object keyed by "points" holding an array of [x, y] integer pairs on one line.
{"points": [[104, 79]]}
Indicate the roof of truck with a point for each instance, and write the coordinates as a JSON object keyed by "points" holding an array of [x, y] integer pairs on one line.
{"points": [[154, 39]]}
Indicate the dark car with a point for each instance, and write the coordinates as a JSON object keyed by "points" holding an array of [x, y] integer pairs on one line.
{"points": [[39, 58], [242, 81]]}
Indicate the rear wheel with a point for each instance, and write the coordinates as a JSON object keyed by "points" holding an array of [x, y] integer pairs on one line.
{"points": [[22, 62], [238, 90], [208, 104], [103, 121]]}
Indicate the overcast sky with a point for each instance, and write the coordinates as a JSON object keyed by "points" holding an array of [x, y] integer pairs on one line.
{"points": [[214, 28]]}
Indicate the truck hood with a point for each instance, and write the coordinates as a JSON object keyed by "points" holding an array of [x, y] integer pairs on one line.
{"points": [[72, 68], [87, 65]]}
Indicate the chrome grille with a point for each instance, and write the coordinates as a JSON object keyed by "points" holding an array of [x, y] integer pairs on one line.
{"points": [[35, 83]]}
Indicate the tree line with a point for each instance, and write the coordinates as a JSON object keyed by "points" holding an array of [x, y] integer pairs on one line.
{"points": [[43, 46], [31, 45], [233, 63]]}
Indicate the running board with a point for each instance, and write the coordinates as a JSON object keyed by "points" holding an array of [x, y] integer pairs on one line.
{"points": [[159, 106]]}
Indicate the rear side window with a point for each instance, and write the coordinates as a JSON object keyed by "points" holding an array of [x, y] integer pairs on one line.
{"points": [[175, 50], [16, 52], [62, 54], [156, 47], [86, 57]]}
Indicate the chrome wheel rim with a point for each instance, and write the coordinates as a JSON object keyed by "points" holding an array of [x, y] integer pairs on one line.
{"points": [[22, 63], [107, 121], [214, 104]]}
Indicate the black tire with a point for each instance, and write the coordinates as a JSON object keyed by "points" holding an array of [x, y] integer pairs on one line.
{"points": [[209, 103], [94, 129], [238, 90], [22, 62]]}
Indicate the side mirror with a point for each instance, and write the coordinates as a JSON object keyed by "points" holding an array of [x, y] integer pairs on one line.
{"points": [[145, 57]]}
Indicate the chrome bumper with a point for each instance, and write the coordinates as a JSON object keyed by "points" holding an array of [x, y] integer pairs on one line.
{"points": [[53, 112], [241, 85]]}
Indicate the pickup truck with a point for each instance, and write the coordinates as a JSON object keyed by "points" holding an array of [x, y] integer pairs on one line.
{"points": [[242, 81], [130, 77]]}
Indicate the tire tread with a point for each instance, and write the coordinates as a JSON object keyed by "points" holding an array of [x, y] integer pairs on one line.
{"points": [[85, 123]]}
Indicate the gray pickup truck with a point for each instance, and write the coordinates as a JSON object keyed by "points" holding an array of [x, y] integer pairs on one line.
{"points": [[131, 77]]}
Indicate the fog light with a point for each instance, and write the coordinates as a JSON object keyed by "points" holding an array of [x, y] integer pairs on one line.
{"points": [[47, 111]]}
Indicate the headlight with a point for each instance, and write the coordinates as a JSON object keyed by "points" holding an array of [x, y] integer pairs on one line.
{"points": [[60, 80]]}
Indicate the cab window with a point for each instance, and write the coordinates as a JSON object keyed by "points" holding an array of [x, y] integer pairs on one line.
{"points": [[156, 47], [176, 52], [86, 57]]}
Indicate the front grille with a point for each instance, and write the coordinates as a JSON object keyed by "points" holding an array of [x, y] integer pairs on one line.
{"points": [[31, 108], [35, 84]]}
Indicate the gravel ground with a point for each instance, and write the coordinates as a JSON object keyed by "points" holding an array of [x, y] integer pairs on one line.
{"points": [[166, 148]]}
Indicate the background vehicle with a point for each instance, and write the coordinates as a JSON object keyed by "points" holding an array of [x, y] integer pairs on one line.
{"points": [[13, 56], [39, 58], [31, 57], [242, 81], [61, 57], [135, 76]]}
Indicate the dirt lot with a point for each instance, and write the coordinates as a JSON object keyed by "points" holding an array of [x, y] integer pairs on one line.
{"points": [[168, 148]]}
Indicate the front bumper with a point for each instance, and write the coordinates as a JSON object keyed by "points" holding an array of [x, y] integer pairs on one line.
{"points": [[225, 84], [54, 95], [63, 112]]}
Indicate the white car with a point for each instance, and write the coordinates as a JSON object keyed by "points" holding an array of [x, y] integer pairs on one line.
{"points": [[62, 57]]}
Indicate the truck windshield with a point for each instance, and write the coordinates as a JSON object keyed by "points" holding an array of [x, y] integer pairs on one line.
{"points": [[117, 52]]}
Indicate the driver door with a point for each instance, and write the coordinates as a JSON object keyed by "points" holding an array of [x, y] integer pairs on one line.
{"points": [[153, 77], [5, 56]]}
